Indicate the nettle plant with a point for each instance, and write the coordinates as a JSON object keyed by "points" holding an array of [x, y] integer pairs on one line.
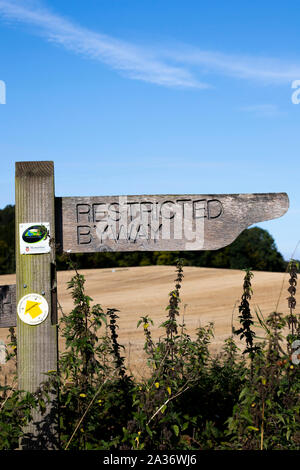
{"points": [[103, 407], [15, 406], [267, 414], [94, 388], [187, 391], [189, 399]]}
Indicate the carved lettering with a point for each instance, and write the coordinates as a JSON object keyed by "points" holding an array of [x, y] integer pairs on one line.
{"points": [[84, 236], [163, 222], [114, 211], [214, 208], [154, 230], [144, 207], [169, 211], [132, 209], [99, 211], [83, 213], [130, 221], [199, 208], [183, 202]]}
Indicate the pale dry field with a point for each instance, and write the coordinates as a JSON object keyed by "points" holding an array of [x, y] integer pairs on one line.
{"points": [[207, 295]]}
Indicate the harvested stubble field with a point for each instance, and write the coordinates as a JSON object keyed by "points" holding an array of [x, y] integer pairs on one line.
{"points": [[207, 295]]}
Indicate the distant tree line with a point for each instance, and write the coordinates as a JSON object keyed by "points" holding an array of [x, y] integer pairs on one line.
{"points": [[255, 248]]}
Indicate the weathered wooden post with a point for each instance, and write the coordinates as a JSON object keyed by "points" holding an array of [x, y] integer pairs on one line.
{"points": [[36, 291]]}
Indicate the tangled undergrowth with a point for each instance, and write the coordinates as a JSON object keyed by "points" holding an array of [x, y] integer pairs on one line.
{"points": [[189, 400]]}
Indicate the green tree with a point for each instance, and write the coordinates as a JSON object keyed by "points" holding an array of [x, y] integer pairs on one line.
{"points": [[255, 248], [7, 240]]}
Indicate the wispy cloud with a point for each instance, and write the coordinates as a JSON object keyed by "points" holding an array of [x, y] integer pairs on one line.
{"points": [[262, 69], [137, 63], [264, 110], [177, 66]]}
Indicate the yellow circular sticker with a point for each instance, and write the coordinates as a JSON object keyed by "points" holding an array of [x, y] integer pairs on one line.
{"points": [[33, 309]]}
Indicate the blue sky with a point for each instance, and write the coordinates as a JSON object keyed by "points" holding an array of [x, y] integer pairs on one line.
{"points": [[154, 97]]}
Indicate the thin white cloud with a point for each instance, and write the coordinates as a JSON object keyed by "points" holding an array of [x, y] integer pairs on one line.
{"points": [[176, 66], [135, 62], [264, 110], [264, 69]]}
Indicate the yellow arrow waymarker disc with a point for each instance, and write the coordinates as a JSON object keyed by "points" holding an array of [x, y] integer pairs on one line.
{"points": [[33, 309]]}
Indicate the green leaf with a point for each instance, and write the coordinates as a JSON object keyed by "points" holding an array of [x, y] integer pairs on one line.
{"points": [[252, 428], [176, 429]]}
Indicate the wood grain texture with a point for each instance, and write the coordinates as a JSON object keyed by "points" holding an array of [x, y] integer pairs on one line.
{"points": [[8, 312], [37, 345], [161, 222]]}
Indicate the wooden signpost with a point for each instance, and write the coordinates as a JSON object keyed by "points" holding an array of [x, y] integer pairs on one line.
{"points": [[161, 223], [92, 224], [35, 274]]}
